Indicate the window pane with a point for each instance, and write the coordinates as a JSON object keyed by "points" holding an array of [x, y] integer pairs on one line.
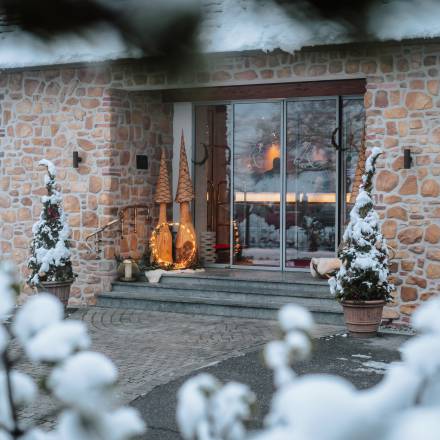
{"points": [[212, 183], [257, 183], [353, 130], [310, 180]]}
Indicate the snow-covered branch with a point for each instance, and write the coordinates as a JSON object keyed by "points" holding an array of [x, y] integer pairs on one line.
{"points": [[81, 381], [405, 405], [364, 272], [50, 248]]}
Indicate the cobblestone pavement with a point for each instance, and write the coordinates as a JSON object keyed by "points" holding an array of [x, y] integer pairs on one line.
{"points": [[153, 348]]}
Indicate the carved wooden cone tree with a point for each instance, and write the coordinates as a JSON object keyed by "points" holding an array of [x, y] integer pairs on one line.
{"points": [[164, 240], [186, 245]]}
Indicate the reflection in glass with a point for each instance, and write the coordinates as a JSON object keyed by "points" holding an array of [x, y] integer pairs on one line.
{"points": [[353, 131], [212, 160], [310, 181], [257, 183]]}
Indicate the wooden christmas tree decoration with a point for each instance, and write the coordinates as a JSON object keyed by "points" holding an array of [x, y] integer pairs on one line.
{"points": [[163, 244], [186, 244]]}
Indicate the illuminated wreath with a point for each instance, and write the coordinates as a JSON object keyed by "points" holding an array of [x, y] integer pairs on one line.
{"points": [[162, 263]]}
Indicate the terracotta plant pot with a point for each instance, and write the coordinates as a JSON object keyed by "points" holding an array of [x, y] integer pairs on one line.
{"points": [[363, 317], [61, 289]]}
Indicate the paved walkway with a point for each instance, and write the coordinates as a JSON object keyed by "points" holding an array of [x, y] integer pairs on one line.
{"points": [[153, 348], [361, 361]]}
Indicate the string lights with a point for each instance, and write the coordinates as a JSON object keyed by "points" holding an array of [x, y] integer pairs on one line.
{"points": [[187, 262]]}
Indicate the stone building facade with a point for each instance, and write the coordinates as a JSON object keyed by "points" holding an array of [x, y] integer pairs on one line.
{"points": [[111, 112]]}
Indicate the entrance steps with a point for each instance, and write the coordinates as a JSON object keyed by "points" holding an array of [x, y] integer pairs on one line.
{"points": [[228, 292]]}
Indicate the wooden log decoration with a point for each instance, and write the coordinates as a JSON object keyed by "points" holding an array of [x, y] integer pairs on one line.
{"points": [[164, 239], [186, 243]]}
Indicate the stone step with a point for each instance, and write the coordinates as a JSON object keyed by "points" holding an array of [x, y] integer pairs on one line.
{"points": [[296, 289], [249, 305]]}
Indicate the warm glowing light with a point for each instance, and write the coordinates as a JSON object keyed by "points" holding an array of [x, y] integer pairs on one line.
{"points": [[162, 263], [275, 197], [273, 152]]}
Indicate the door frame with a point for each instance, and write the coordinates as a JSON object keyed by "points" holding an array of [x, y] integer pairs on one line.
{"points": [[340, 171]]}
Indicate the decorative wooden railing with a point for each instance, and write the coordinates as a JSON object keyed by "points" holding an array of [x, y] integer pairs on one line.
{"points": [[128, 215]]}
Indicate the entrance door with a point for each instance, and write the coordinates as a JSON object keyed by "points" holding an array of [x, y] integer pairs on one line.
{"points": [[273, 179], [311, 180], [257, 184]]}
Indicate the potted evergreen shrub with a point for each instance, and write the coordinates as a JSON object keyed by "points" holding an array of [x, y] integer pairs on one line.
{"points": [[361, 284], [50, 264]]}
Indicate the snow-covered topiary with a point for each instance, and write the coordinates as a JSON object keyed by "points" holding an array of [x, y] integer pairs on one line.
{"points": [[50, 253], [405, 405], [81, 382], [364, 272]]}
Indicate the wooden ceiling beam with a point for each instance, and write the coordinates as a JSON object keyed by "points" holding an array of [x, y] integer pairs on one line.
{"points": [[266, 91]]}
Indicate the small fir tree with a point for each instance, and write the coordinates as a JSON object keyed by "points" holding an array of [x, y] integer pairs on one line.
{"points": [[364, 254], [50, 254]]}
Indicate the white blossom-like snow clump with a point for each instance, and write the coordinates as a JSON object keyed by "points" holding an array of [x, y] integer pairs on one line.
{"points": [[39, 312], [7, 293], [24, 392], [404, 405], [58, 341], [84, 381]]}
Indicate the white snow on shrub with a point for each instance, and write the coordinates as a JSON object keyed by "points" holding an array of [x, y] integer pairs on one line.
{"points": [[192, 410], [84, 381], [293, 317], [57, 341], [121, 424], [4, 339], [50, 166], [24, 392], [38, 312], [427, 319], [7, 294], [404, 405]]}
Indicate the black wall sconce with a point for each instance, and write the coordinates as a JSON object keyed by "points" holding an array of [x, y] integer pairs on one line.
{"points": [[141, 162], [76, 159], [407, 159]]}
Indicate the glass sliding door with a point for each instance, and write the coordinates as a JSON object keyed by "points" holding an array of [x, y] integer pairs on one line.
{"points": [[256, 131], [212, 182], [275, 181], [311, 180], [353, 118]]}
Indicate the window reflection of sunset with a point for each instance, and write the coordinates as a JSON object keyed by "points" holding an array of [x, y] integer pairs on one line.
{"points": [[274, 197]]}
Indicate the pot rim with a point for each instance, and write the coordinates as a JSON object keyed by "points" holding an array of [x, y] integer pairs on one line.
{"points": [[51, 283], [371, 302]]}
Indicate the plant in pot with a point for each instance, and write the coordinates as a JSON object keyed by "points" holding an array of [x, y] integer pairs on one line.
{"points": [[50, 264], [361, 284]]}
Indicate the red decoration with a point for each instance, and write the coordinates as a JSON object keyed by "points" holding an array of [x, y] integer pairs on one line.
{"points": [[53, 213]]}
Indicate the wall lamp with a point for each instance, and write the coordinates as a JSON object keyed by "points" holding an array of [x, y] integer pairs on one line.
{"points": [[76, 159], [407, 159]]}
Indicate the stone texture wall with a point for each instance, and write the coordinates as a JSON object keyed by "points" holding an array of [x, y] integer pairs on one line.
{"points": [[52, 112]]}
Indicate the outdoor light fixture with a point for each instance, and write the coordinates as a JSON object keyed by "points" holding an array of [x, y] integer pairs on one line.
{"points": [[407, 159], [76, 159]]}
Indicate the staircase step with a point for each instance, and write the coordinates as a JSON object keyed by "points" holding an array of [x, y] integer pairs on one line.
{"points": [[215, 303], [299, 289]]}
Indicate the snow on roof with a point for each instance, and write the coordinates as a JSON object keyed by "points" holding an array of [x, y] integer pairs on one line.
{"points": [[228, 26], [236, 25], [22, 49]]}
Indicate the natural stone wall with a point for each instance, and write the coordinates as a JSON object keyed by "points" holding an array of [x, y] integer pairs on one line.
{"points": [[403, 111], [51, 113]]}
